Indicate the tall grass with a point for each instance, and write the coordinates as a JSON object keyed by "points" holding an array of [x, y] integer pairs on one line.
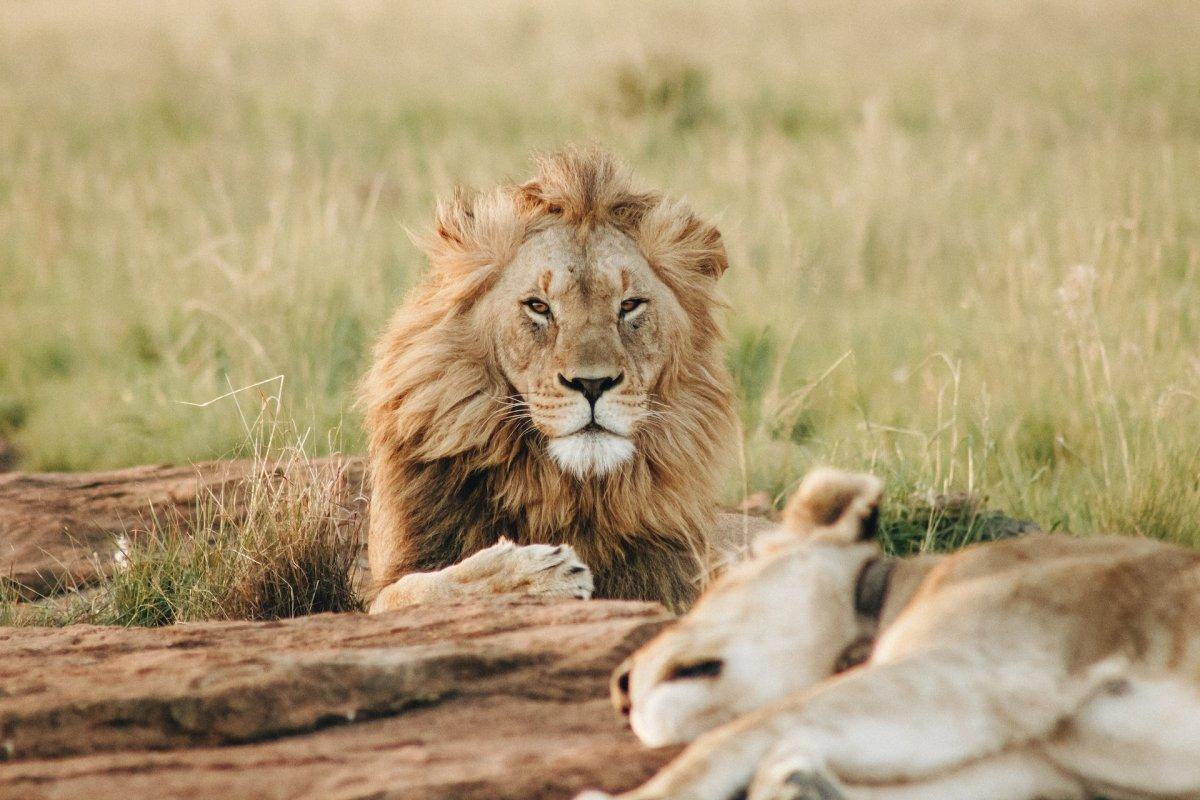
{"points": [[965, 237], [282, 544], [285, 540]]}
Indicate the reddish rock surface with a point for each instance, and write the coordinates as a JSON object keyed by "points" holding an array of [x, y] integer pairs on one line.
{"points": [[498, 700]]}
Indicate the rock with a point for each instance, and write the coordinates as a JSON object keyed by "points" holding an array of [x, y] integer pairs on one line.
{"points": [[505, 699], [58, 530]]}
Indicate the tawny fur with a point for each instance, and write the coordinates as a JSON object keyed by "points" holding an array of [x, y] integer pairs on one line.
{"points": [[451, 475], [1046, 667]]}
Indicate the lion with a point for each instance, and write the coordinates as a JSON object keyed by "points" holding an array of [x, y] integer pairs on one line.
{"points": [[1043, 667], [551, 403]]}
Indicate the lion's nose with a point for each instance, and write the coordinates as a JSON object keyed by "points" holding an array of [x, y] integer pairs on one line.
{"points": [[620, 688], [591, 388]]}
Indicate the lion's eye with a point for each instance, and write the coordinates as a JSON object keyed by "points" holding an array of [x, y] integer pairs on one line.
{"points": [[631, 305], [538, 307]]}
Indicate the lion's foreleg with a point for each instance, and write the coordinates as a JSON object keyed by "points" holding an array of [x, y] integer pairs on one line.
{"points": [[539, 570], [412, 589]]}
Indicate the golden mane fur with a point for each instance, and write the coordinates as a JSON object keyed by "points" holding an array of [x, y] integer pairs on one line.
{"points": [[451, 474]]}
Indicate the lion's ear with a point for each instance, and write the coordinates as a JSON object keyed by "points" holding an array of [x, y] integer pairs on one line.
{"points": [[835, 507], [473, 234], [700, 243], [531, 200], [681, 244], [454, 247], [455, 218], [713, 260]]}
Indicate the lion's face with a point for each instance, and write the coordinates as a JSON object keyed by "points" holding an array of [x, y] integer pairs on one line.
{"points": [[582, 330]]}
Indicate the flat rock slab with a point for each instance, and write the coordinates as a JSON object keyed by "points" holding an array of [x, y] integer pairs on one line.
{"points": [[58, 530], [505, 699]]}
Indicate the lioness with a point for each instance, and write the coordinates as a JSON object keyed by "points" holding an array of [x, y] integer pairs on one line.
{"points": [[1042, 667], [553, 397]]}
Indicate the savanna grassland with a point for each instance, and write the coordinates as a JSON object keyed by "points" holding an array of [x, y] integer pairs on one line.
{"points": [[964, 236]]}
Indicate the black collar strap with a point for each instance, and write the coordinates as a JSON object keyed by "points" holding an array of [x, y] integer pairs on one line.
{"points": [[871, 590]]}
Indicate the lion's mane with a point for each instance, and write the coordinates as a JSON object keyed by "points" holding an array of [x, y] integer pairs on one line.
{"points": [[451, 475]]}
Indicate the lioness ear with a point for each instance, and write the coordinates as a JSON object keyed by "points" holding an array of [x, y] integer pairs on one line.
{"points": [[835, 507]]}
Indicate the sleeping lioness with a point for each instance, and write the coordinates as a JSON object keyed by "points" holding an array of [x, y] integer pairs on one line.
{"points": [[1042, 667]]}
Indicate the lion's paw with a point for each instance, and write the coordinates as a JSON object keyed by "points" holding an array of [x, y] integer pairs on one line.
{"points": [[539, 570], [547, 570]]}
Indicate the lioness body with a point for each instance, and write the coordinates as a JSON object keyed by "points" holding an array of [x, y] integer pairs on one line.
{"points": [[1084, 599], [1042, 667]]}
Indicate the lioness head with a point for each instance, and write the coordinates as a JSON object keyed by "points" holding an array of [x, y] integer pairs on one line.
{"points": [[772, 625]]}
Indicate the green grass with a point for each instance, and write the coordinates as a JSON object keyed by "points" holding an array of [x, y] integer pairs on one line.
{"points": [[965, 237], [285, 542], [281, 547]]}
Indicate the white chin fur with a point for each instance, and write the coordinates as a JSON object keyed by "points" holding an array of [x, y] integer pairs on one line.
{"points": [[590, 453]]}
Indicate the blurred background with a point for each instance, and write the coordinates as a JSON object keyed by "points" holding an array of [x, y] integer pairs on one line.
{"points": [[964, 236]]}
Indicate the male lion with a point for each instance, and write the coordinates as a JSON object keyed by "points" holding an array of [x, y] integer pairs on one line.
{"points": [[554, 387], [1046, 667]]}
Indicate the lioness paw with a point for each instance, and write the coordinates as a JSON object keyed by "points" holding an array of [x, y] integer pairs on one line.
{"points": [[805, 786], [792, 775], [540, 570]]}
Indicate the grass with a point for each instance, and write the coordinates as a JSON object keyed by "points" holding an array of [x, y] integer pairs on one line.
{"points": [[965, 237], [282, 547], [285, 542]]}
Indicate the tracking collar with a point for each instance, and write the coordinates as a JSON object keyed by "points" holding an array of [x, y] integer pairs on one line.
{"points": [[870, 591]]}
